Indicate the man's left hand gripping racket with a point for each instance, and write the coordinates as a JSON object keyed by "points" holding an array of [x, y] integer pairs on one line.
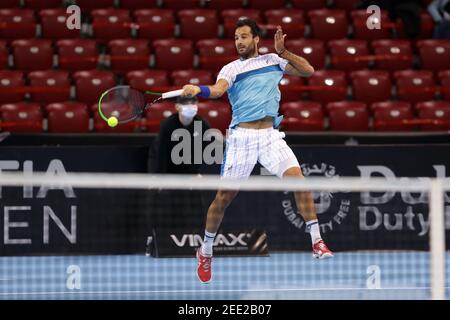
{"points": [[123, 104]]}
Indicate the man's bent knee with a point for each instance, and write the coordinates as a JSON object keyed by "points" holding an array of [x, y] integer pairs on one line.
{"points": [[224, 198]]}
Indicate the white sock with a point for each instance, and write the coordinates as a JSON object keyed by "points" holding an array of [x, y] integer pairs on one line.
{"points": [[314, 231], [208, 240]]}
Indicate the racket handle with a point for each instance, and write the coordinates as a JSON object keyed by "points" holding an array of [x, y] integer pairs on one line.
{"points": [[172, 94]]}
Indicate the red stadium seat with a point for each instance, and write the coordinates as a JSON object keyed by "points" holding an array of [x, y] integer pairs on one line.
{"points": [[216, 113], [17, 24], [360, 21], [43, 4], [182, 4], [327, 86], [89, 5], [434, 54], [49, 86], [174, 54], [215, 53], [302, 116], [5, 4], [196, 24], [196, 77], [21, 117], [67, 117], [292, 21], [349, 54], [138, 4], [266, 4], [158, 113], [221, 5], [392, 55], [444, 78], [91, 84], [348, 116], [309, 4], [231, 16], [32, 54], [426, 27], [415, 85], [129, 54], [155, 23], [371, 85], [266, 46], [436, 114], [148, 79], [3, 55], [77, 54], [291, 88], [11, 85], [111, 23], [393, 116], [328, 24], [311, 49], [53, 22], [345, 4]]}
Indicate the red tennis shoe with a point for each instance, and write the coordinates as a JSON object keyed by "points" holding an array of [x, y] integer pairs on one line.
{"points": [[204, 272], [321, 251]]}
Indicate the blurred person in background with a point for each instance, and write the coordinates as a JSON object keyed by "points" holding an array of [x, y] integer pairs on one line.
{"points": [[440, 11]]}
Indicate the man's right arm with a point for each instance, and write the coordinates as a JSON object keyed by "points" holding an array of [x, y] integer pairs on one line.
{"points": [[216, 90]]}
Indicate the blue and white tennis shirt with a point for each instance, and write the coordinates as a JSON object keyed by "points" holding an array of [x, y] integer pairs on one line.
{"points": [[253, 87]]}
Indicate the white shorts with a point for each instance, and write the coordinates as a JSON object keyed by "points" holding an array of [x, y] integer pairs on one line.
{"points": [[245, 147]]}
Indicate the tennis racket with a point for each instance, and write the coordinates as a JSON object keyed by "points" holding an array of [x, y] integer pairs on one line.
{"points": [[127, 104]]}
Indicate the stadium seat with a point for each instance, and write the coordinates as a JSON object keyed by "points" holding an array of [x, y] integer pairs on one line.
{"points": [[309, 4], [392, 55], [215, 53], [266, 4], [196, 77], [426, 27], [148, 79], [21, 117], [32, 54], [42, 4], [155, 23], [302, 116], [158, 113], [53, 22], [437, 114], [111, 23], [371, 85], [266, 46], [138, 4], [291, 88], [327, 86], [67, 117], [349, 54], [232, 15], [348, 116], [77, 54], [17, 24], [197, 24], [392, 116], [89, 5], [311, 49], [360, 22], [181, 4], [129, 54], [91, 84], [216, 113], [434, 54], [174, 54], [11, 85], [415, 85], [292, 21], [3, 55], [49, 86], [328, 24], [444, 78], [346, 4], [221, 5], [5, 4]]}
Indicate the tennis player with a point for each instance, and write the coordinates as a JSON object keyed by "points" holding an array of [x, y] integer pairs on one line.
{"points": [[252, 86]]}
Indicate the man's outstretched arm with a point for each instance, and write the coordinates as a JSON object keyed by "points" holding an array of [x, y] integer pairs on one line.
{"points": [[214, 91]]}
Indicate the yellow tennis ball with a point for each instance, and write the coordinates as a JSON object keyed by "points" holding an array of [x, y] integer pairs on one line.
{"points": [[112, 121]]}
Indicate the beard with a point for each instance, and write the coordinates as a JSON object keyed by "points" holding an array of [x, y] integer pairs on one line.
{"points": [[248, 52]]}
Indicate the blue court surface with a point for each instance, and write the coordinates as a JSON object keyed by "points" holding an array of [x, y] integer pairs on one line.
{"points": [[349, 275]]}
